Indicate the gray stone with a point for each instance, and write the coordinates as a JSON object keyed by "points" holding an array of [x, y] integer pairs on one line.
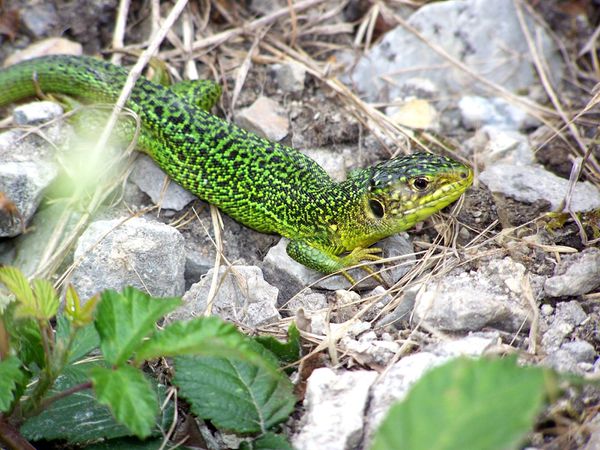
{"points": [[308, 301], [27, 165], [566, 317], [370, 351], [547, 310], [562, 361], [485, 35], [379, 298], [581, 351], [333, 163], [532, 184], [137, 252], [570, 312], [151, 179], [555, 334], [242, 296], [477, 112], [504, 146], [282, 270], [22, 184], [475, 344], [400, 316], [36, 113], [199, 260], [335, 406], [40, 19], [290, 76], [266, 118], [469, 301], [576, 274]]}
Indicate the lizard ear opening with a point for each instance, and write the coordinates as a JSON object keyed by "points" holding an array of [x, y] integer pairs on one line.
{"points": [[377, 208]]}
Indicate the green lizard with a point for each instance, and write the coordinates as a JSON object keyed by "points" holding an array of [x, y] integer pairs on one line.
{"points": [[262, 184]]}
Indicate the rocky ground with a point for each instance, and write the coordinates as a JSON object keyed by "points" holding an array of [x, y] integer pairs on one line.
{"points": [[509, 84]]}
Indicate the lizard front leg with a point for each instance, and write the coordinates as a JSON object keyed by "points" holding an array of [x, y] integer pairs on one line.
{"points": [[326, 262]]}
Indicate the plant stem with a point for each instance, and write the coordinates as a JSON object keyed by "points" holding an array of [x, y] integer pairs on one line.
{"points": [[4, 340], [11, 437], [62, 394]]}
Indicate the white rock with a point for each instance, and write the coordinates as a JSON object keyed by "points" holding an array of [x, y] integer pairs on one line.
{"points": [[150, 179], [290, 76], [566, 317], [369, 351], [36, 113], [476, 344], [335, 406], [477, 112], [266, 118], [485, 35], [576, 274], [138, 252], [532, 184], [243, 296], [505, 146], [472, 300]]}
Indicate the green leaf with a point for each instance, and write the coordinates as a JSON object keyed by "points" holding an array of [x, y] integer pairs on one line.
{"points": [[465, 404], [287, 352], [123, 320], [79, 314], [129, 395], [269, 441], [86, 338], [203, 336], [133, 444], [10, 377], [16, 282], [47, 300], [236, 394], [79, 418], [26, 340]]}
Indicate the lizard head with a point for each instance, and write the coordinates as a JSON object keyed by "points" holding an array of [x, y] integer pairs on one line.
{"points": [[408, 189]]}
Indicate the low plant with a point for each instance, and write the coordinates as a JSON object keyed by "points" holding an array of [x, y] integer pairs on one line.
{"points": [[77, 375]]}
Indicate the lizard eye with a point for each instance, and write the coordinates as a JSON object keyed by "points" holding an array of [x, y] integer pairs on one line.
{"points": [[376, 208], [419, 183]]}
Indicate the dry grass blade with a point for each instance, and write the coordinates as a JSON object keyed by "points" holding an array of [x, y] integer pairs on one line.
{"points": [[219, 38], [542, 70]]}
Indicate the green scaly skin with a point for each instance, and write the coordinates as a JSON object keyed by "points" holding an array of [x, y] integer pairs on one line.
{"points": [[264, 185]]}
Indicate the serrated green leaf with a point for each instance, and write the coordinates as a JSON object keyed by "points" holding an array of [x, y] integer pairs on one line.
{"points": [[203, 336], [123, 320], [10, 377], [287, 352], [79, 418], [465, 404], [46, 299], [236, 394], [129, 395], [269, 441], [16, 282]]}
